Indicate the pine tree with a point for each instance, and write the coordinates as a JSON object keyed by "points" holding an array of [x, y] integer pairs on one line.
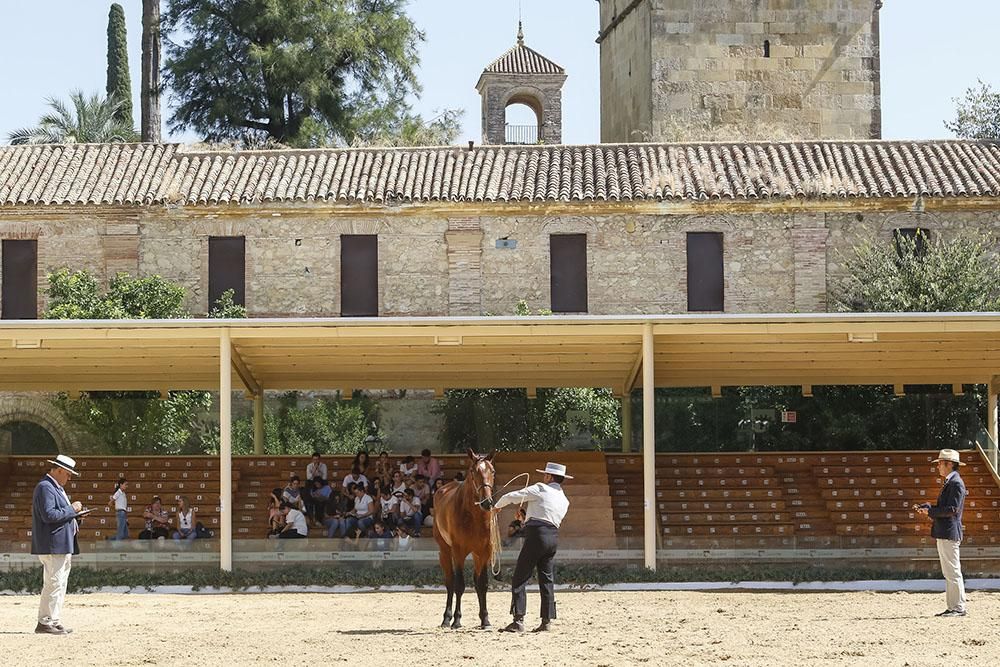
{"points": [[119, 86]]}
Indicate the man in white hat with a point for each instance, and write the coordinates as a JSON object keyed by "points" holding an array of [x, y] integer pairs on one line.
{"points": [[947, 528], [53, 540], [545, 506]]}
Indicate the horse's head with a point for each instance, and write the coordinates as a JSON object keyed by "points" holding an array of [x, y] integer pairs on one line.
{"points": [[481, 474]]}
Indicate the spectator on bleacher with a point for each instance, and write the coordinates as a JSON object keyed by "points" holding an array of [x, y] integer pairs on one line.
{"points": [[320, 493], [335, 513], [382, 534], [397, 484], [157, 521], [428, 507], [383, 467], [428, 466], [186, 521], [516, 527], [361, 518], [355, 477], [293, 494], [295, 523], [317, 468], [375, 488], [120, 499], [421, 488], [362, 462], [459, 476], [410, 514], [408, 468], [275, 517], [387, 506]]}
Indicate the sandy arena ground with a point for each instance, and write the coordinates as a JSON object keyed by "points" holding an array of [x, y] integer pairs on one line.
{"points": [[595, 628]]}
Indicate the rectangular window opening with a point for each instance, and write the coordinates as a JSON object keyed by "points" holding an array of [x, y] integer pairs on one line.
{"points": [[568, 272], [705, 276], [19, 296], [359, 275], [226, 269]]}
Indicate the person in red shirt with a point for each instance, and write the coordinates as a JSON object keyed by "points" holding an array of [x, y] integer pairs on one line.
{"points": [[429, 467]]}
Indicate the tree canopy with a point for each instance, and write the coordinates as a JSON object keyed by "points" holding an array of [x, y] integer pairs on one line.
{"points": [[297, 72], [977, 115], [86, 120], [119, 83]]}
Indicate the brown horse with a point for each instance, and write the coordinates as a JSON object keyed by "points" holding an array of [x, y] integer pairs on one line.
{"points": [[463, 524]]}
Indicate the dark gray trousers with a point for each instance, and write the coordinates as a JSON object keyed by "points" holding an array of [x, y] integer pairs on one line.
{"points": [[541, 541]]}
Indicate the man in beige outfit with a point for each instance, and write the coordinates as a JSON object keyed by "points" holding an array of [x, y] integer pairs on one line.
{"points": [[947, 528]]}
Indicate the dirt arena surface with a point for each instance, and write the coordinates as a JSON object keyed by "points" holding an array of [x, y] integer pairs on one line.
{"points": [[595, 628]]}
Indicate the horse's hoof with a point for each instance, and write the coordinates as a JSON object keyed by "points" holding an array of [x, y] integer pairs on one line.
{"points": [[456, 625], [485, 626]]}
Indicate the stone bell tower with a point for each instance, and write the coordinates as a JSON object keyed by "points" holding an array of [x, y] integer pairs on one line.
{"points": [[522, 76]]}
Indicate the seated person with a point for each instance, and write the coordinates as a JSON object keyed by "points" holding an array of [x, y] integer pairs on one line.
{"points": [[275, 517], [361, 518], [381, 534], [157, 521], [408, 468], [421, 488], [293, 494], [428, 466], [383, 467], [398, 484], [459, 476], [319, 494], [295, 523], [516, 527], [335, 512], [410, 514], [355, 477], [186, 521], [316, 468], [387, 506]]}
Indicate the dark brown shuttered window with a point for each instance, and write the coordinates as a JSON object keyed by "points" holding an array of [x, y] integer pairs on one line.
{"points": [[568, 272], [704, 271], [359, 275], [918, 236], [227, 269], [19, 300]]}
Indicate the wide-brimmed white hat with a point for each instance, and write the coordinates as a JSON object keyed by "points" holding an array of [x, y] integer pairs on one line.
{"points": [[65, 463], [555, 469], [948, 455]]}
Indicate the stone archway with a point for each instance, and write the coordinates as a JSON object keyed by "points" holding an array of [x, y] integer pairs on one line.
{"points": [[36, 409]]}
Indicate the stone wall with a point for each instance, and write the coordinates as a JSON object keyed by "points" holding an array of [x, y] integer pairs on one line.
{"points": [[626, 74], [711, 79], [541, 92]]}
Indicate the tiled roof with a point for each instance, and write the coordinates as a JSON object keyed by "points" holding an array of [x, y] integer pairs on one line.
{"points": [[521, 59], [137, 174]]}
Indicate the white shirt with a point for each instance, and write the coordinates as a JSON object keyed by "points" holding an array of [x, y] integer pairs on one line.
{"points": [[388, 505], [121, 500], [409, 507], [399, 489], [408, 470], [545, 502], [351, 479], [314, 469], [362, 506], [297, 520], [184, 521], [76, 526]]}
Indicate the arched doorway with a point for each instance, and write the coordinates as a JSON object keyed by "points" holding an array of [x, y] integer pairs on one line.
{"points": [[29, 438]]}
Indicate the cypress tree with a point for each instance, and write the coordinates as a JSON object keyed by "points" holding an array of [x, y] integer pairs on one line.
{"points": [[119, 86]]}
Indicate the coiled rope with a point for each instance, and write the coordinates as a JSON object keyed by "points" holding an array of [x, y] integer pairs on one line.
{"points": [[496, 547]]}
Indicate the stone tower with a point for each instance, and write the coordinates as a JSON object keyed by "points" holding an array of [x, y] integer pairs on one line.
{"points": [[522, 76], [675, 70]]}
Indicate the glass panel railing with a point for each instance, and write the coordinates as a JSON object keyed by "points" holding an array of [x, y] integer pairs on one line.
{"points": [[988, 447]]}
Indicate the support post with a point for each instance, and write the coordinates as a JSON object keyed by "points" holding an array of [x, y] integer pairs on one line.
{"points": [[258, 423], [627, 423], [648, 451], [992, 426], [226, 450]]}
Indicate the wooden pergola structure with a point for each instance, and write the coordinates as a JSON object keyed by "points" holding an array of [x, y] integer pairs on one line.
{"points": [[623, 353]]}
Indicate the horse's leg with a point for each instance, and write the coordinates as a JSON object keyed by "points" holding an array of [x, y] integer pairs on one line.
{"points": [[458, 566], [444, 555], [482, 571]]}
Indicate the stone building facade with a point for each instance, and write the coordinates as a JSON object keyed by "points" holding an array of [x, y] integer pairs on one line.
{"points": [[750, 69]]}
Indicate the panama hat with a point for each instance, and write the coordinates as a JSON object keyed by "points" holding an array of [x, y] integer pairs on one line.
{"points": [[948, 455], [66, 463], [554, 469]]}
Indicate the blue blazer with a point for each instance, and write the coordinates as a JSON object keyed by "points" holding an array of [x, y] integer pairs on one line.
{"points": [[947, 513], [53, 521]]}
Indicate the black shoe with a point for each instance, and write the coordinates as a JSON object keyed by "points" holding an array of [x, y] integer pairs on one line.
{"points": [[545, 626], [515, 626], [943, 613], [952, 613], [68, 631], [42, 629]]}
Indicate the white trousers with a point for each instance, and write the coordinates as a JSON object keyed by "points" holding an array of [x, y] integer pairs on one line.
{"points": [[951, 568], [55, 576]]}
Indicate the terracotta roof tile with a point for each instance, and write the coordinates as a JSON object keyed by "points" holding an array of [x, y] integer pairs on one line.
{"points": [[169, 174], [521, 59]]}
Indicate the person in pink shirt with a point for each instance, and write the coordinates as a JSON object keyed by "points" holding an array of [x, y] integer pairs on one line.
{"points": [[429, 467]]}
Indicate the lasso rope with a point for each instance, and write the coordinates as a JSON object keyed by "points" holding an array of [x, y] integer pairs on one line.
{"points": [[496, 547]]}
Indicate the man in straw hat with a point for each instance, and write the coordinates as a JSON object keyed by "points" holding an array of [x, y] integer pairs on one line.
{"points": [[53, 540], [545, 506], [947, 528]]}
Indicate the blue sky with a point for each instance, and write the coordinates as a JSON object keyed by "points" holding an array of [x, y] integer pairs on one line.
{"points": [[931, 53]]}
